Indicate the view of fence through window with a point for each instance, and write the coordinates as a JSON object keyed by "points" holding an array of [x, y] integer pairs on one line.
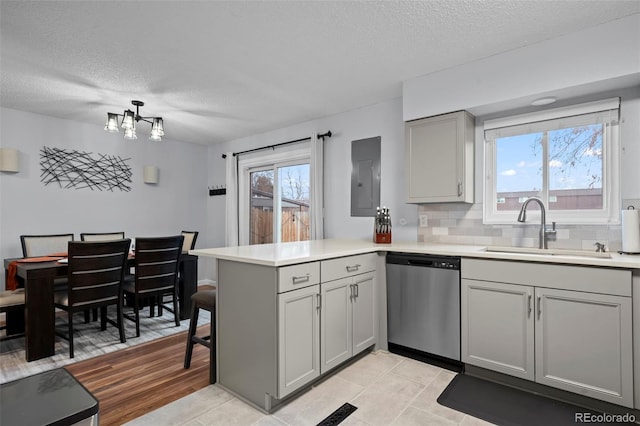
{"points": [[280, 203], [572, 161]]}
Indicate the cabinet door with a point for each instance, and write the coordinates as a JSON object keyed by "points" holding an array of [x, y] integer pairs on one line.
{"points": [[437, 149], [583, 344], [298, 338], [364, 312], [335, 323], [497, 327]]}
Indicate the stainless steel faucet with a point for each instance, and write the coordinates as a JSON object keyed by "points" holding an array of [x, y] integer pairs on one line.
{"points": [[544, 232]]}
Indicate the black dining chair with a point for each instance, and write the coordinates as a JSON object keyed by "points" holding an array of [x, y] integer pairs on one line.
{"points": [[156, 274], [189, 243], [95, 274], [100, 236], [12, 305], [48, 244], [43, 245], [190, 238]]}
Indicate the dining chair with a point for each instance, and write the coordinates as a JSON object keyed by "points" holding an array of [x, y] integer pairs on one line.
{"points": [[189, 243], [95, 274], [156, 274], [12, 305], [101, 236], [190, 238], [43, 245]]}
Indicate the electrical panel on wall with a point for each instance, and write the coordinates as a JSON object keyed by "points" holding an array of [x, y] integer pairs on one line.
{"points": [[365, 176]]}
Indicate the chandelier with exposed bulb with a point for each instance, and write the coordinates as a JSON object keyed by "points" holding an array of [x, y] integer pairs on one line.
{"points": [[129, 120]]}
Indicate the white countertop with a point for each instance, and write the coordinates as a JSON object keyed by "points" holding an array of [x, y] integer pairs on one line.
{"points": [[307, 251]]}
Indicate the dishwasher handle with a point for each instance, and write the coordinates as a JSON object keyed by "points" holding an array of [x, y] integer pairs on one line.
{"points": [[420, 262]]}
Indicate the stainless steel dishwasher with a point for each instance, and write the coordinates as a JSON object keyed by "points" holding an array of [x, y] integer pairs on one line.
{"points": [[423, 304]]}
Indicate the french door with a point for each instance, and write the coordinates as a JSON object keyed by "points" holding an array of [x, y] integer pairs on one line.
{"points": [[275, 201]]}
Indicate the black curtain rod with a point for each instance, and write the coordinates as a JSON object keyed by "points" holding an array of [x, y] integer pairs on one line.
{"points": [[323, 135]]}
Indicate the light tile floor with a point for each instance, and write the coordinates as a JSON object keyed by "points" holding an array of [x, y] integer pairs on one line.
{"points": [[388, 389]]}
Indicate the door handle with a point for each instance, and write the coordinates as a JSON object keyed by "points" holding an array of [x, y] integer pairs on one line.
{"points": [[459, 188], [319, 298], [351, 296], [539, 306], [529, 305], [357, 290]]}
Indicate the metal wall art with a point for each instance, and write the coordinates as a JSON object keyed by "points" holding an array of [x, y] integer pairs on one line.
{"points": [[80, 170]]}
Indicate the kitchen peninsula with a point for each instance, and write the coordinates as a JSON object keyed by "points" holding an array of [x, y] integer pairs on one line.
{"points": [[288, 313]]}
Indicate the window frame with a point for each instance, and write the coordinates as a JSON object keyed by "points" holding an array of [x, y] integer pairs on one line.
{"points": [[609, 214], [258, 162]]}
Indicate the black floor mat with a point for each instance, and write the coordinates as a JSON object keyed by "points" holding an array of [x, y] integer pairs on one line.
{"points": [[339, 415], [504, 405]]}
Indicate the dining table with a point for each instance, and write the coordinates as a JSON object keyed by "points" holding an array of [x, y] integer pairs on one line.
{"points": [[39, 312]]}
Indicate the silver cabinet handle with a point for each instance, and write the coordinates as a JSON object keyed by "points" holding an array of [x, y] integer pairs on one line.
{"points": [[459, 188], [353, 268], [301, 279], [351, 296], [529, 304], [539, 306], [319, 296], [357, 290]]}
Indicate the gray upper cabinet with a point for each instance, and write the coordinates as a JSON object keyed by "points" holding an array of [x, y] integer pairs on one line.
{"points": [[439, 157]]}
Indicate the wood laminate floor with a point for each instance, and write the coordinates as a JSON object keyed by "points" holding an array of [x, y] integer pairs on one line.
{"points": [[137, 380]]}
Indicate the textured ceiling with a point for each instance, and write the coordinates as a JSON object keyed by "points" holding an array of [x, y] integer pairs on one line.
{"points": [[220, 70]]}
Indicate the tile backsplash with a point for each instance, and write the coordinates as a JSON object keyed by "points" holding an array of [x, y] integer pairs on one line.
{"points": [[462, 224]]}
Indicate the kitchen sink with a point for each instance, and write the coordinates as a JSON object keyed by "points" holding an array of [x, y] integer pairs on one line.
{"points": [[548, 252]]}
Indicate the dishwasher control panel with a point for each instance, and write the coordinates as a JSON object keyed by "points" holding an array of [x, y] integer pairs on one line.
{"points": [[429, 261]]}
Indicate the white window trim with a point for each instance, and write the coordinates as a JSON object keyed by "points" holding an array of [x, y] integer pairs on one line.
{"points": [[255, 162], [609, 215]]}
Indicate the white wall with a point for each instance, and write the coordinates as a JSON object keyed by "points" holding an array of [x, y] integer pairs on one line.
{"points": [[604, 52], [383, 119], [27, 206]]}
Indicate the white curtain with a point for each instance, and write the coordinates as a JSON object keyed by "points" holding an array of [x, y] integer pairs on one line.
{"points": [[317, 190], [231, 208]]}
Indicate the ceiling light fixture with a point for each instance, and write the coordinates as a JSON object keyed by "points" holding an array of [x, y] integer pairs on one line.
{"points": [[129, 120], [544, 101]]}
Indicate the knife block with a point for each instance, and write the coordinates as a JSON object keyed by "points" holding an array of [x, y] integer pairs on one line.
{"points": [[382, 238]]}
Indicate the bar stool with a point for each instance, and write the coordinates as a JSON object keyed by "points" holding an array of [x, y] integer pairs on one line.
{"points": [[203, 299]]}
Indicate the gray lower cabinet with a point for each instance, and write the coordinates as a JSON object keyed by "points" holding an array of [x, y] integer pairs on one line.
{"points": [[497, 327], [583, 344], [578, 341], [269, 323], [348, 323], [298, 338]]}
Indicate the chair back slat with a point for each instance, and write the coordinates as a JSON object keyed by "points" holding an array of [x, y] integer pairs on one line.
{"points": [[157, 261], [43, 245], [101, 236], [96, 270]]}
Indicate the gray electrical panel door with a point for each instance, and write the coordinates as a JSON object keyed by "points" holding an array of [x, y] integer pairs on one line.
{"points": [[365, 176]]}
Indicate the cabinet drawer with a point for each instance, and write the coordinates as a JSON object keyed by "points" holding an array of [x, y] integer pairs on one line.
{"points": [[592, 279], [347, 266], [298, 276]]}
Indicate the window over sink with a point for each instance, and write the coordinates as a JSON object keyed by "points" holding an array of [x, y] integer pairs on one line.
{"points": [[568, 157]]}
